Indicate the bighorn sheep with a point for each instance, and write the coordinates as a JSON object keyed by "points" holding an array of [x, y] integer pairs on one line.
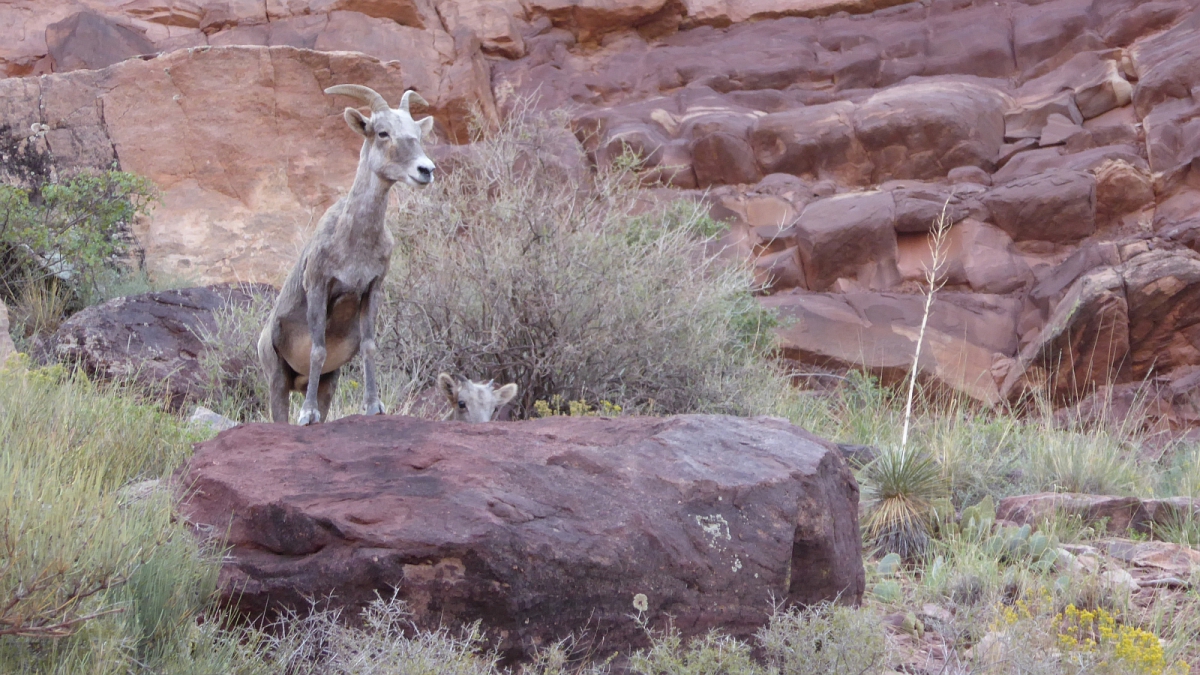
{"points": [[472, 401], [326, 311]]}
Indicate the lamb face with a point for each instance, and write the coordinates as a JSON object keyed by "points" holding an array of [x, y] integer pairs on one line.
{"points": [[473, 401]]}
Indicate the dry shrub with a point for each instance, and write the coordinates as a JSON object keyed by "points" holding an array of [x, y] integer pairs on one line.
{"points": [[517, 268], [386, 644]]}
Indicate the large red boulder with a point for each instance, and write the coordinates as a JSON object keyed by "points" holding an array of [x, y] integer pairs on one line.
{"points": [[839, 236], [1054, 206], [537, 528]]}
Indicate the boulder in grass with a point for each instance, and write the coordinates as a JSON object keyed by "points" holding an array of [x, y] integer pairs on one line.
{"points": [[539, 528], [153, 339]]}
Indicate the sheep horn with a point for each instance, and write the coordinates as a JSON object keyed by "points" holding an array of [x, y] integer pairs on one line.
{"points": [[413, 95], [365, 94]]}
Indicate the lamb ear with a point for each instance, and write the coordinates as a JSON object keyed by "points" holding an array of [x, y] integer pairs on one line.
{"points": [[447, 385], [506, 393], [358, 122]]}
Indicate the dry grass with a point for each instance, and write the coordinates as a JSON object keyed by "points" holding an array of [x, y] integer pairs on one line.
{"points": [[96, 577]]}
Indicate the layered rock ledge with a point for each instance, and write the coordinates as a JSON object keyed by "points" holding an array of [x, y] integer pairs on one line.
{"points": [[1058, 135], [538, 528]]}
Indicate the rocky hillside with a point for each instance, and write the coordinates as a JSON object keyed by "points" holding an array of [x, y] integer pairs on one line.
{"points": [[1059, 135]]}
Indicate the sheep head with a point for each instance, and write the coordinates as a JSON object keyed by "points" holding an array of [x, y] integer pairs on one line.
{"points": [[472, 401], [392, 147]]}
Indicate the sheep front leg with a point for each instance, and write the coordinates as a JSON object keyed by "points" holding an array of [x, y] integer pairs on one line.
{"points": [[371, 403], [318, 306]]}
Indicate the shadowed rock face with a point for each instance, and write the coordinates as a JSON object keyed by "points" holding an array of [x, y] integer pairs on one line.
{"points": [[87, 41], [829, 133], [539, 528]]}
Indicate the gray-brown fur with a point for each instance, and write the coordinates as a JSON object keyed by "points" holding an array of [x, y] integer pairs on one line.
{"points": [[325, 313], [473, 401]]}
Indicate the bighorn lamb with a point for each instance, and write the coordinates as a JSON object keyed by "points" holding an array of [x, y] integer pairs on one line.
{"points": [[474, 402], [326, 311]]}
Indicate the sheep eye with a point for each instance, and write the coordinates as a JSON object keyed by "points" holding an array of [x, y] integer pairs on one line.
{"points": [[383, 134], [462, 405]]}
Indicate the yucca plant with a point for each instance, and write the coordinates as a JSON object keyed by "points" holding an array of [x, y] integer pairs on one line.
{"points": [[900, 488]]}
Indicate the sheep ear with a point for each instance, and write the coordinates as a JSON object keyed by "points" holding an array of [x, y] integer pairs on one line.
{"points": [[426, 125], [447, 384], [506, 393], [358, 122]]}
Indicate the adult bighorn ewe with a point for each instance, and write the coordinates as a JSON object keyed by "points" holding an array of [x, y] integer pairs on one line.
{"points": [[326, 311]]}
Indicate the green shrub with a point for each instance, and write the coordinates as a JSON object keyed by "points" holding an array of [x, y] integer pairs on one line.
{"points": [[567, 286], [709, 654], [824, 638], [385, 643], [73, 233]]}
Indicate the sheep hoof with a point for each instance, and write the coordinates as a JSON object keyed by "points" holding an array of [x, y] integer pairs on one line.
{"points": [[374, 408], [308, 416]]}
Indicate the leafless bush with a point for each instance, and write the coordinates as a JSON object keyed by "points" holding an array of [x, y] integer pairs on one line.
{"points": [[517, 268], [234, 382]]}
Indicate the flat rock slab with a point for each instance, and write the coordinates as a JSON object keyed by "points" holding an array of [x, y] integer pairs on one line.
{"points": [[537, 528], [1122, 514]]}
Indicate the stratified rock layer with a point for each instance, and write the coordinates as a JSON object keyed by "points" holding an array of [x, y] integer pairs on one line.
{"points": [[538, 528], [830, 134]]}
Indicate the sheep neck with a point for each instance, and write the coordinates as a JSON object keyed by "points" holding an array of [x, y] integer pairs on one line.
{"points": [[366, 203]]}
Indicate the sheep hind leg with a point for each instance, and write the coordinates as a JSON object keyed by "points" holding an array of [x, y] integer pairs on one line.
{"points": [[280, 379], [325, 391]]}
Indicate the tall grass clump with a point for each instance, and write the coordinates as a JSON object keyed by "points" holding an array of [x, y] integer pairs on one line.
{"points": [[96, 575], [235, 385], [516, 268], [1091, 463]]}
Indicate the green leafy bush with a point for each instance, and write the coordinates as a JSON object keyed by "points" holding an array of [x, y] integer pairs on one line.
{"points": [[75, 233]]}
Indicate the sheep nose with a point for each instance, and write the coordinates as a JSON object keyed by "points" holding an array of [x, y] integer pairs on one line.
{"points": [[426, 172]]}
